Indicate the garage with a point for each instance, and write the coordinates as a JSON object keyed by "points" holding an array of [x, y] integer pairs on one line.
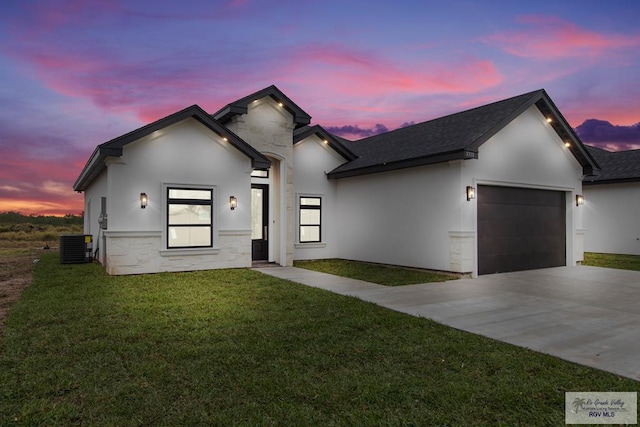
{"points": [[520, 229]]}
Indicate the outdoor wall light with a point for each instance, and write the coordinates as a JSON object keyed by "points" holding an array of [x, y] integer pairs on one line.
{"points": [[579, 200], [471, 193], [143, 200], [233, 202]]}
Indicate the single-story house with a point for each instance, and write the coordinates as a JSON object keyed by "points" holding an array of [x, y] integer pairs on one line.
{"points": [[612, 207], [492, 189]]}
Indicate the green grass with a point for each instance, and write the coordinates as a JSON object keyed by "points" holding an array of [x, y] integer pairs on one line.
{"points": [[235, 347], [625, 262], [374, 273]]}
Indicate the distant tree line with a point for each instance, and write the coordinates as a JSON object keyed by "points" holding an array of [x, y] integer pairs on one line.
{"points": [[56, 221]]}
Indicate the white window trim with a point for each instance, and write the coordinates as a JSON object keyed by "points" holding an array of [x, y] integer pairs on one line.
{"points": [[214, 221]]}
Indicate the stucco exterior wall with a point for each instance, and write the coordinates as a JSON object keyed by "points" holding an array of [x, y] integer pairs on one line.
{"points": [[612, 223], [92, 210], [185, 154], [528, 153], [420, 216], [312, 160], [401, 217], [268, 127]]}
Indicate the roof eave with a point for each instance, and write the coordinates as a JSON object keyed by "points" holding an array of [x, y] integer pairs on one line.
{"points": [[240, 106], [547, 108], [610, 181], [475, 145], [404, 164], [321, 133]]}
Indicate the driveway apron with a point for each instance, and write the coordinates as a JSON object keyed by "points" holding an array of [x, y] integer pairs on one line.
{"points": [[586, 315]]}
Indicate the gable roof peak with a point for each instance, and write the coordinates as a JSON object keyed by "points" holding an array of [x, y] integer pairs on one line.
{"points": [[114, 147], [240, 106], [455, 136], [329, 139]]}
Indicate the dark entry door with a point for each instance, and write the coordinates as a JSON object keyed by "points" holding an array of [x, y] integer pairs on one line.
{"points": [[520, 229], [259, 222]]}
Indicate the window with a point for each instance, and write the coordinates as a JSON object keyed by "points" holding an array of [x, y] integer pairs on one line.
{"points": [[189, 218], [310, 219], [256, 173]]}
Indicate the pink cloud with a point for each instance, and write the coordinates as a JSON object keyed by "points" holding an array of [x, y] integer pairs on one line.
{"points": [[39, 186], [547, 37], [335, 69], [148, 89]]}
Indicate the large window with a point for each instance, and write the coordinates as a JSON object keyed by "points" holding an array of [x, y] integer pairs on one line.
{"points": [[189, 218], [310, 219]]}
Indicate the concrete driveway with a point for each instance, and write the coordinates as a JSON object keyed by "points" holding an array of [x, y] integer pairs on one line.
{"points": [[586, 315]]}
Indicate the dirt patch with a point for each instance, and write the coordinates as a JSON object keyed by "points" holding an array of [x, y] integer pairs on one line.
{"points": [[16, 272]]}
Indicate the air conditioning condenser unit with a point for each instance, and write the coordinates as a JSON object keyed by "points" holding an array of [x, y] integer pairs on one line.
{"points": [[76, 248]]}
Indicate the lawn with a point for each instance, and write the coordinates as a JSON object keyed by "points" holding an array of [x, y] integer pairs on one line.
{"points": [[625, 262], [235, 347], [374, 273]]}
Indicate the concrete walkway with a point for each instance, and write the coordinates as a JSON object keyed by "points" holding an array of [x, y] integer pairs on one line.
{"points": [[586, 315]]}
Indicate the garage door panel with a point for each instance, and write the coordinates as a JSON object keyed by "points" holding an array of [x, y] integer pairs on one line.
{"points": [[520, 229]]}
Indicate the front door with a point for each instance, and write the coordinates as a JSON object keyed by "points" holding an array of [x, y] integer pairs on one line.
{"points": [[259, 222]]}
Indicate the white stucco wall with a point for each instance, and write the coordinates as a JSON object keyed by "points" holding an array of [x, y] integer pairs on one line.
{"points": [[529, 153], [526, 151], [187, 154], [312, 159], [401, 217], [92, 210], [612, 218], [420, 216]]}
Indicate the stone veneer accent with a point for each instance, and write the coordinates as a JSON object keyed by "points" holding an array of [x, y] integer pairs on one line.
{"points": [[140, 252], [579, 246], [268, 128], [461, 251]]}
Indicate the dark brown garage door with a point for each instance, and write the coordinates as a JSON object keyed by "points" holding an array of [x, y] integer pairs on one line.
{"points": [[520, 229]]}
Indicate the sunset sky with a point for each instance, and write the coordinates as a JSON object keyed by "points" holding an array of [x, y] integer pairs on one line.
{"points": [[77, 73]]}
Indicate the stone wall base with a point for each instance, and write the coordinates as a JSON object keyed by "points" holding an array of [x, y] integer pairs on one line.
{"points": [[461, 251], [142, 252]]}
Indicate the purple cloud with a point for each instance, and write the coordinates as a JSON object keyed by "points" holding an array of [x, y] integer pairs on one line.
{"points": [[606, 134], [355, 131]]}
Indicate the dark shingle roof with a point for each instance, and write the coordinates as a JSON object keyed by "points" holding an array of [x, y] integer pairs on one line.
{"points": [[617, 166], [457, 136]]}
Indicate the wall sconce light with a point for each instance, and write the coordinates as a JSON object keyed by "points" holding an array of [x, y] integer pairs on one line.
{"points": [[579, 199], [233, 202], [471, 193], [143, 200]]}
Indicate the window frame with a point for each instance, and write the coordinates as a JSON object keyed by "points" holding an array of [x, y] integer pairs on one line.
{"points": [[318, 207], [192, 202], [260, 173]]}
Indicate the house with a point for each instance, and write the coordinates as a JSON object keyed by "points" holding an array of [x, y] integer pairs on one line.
{"points": [[612, 214], [486, 190]]}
